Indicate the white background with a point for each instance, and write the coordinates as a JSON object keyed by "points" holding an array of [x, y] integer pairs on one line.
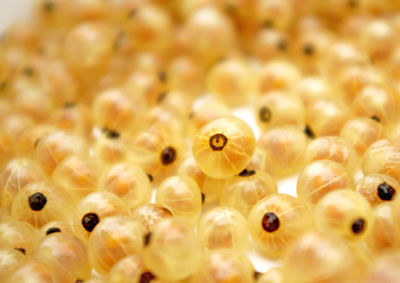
{"points": [[10, 10]]}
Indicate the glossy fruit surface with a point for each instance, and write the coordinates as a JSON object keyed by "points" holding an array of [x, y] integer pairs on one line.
{"points": [[277, 221], [91, 210], [378, 188], [180, 195], [223, 228], [40, 202], [344, 213], [224, 147], [284, 149], [242, 192], [114, 238], [129, 182], [173, 251], [224, 266], [321, 177], [319, 258]]}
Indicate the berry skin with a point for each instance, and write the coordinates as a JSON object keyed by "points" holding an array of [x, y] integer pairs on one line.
{"points": [[224, 266], [344, 213], [55, 246], [319, 258], [223, 228], [383, 233], [129, 182], [277, 108], [10, 259], [284, 148], [276, 221], [321, 177], [92, 209], [224, 147], [180, 195], [114, 238], [150, 214], [382, 157], [332, 148], [130, 269], [242, 192], [174, 251], [41, 202], [18, 235], [378, 188], [17, 174]]}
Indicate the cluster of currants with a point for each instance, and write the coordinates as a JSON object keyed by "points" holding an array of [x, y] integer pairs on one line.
{"points": [[121, 159]]}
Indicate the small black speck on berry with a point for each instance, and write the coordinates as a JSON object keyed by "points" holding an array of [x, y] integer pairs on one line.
{"points": [[270, 222], [386, 191], [168, 155], [111, 134], [49, 6], [52, 230], [146, 239], [358, 226], [146, 277], [309, 133], [37, 201], [308, 49], [89, 221], [247, 173], [376, 118]]}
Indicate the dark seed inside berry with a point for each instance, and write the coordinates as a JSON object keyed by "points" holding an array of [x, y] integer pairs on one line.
{"points": [[257, 274], [28, 71], [268, 24], [49, 6], [352, 3], [162, 76], [264, 114], [376, 118], [203, 198], [146, 277], [69, 104], [247, 173], [111, 134], [309, 133], [168, 155], [119, 39], [386, 191], [282, 45], [52, 230], [229, 8], [36, 143], [161, 97], [217, 142], [132, 13], [150, 177], [3, 85], [89, 221], [358, 226], [270, 222], [37, 201], [146, 239], [308, 49]]}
